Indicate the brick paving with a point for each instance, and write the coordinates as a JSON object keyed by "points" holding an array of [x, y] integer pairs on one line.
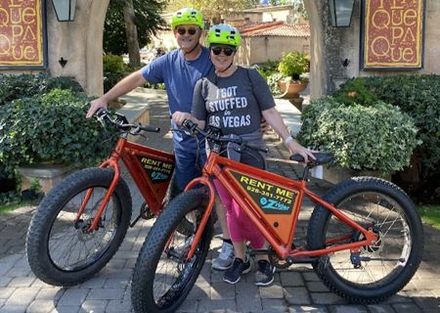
{"points": [[295, 290]]}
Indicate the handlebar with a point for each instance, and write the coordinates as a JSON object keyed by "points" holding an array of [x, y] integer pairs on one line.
{"points": [[119, 121], [215, 136]]}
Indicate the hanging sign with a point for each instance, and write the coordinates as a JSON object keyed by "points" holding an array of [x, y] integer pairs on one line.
{"points": [[393, 34], [22, 34]]}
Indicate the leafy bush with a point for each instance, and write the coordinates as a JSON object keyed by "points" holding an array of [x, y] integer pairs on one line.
{"points": [[419, 97], [27, 85], [272, 82], [267, 68], [355, 91], [50, 128], [294, 64], [13, 87], [379, 137], [114, 70]]}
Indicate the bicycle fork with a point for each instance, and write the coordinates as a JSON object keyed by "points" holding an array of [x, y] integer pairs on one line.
{"points": [[94, 225], [199, 232]]}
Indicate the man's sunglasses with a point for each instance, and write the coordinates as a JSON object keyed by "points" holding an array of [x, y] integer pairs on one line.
{"points": [[182, 31], [228, 51]]}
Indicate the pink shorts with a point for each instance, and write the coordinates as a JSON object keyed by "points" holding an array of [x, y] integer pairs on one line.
{"points": [[240, 226]]}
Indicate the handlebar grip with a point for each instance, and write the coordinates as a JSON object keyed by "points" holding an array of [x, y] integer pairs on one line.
{"points": [[257, 148], [100, 112], [149, 128], [190, 126]]}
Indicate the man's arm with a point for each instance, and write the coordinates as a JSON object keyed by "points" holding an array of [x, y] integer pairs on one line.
{"points": [[121, 88]]}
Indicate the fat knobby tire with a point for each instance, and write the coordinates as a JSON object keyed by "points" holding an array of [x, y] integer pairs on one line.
{"points": [[144, 272], [384, 288], [42, 222]]}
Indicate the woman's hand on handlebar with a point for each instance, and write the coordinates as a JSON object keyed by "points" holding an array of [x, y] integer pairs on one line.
{"points": [[95, 105], [295, 148], [178, 117]]}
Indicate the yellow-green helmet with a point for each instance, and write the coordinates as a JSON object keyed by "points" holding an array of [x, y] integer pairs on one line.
{"points": [[187, 16], [223, 34]]}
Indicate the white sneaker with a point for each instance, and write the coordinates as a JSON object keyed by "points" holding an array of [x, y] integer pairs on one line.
{"points": [[225, 258]]}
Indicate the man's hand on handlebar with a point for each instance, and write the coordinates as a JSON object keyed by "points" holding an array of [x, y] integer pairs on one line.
{"points": [[95, 105]]}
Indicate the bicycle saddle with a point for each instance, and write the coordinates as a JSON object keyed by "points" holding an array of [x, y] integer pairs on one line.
{"points": [[320, 158]]}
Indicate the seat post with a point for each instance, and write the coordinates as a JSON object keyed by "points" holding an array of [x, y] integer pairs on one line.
{"points": [[305, 175]]}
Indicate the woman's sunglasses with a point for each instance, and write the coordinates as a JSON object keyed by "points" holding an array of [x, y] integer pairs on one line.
{"points": [[228, 51], [182, 31]]}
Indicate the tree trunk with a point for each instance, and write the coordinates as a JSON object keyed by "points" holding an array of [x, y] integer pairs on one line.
{"points": [[131, 32]]}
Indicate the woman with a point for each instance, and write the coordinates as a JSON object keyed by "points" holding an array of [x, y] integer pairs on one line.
{"points": [[235, 99]]}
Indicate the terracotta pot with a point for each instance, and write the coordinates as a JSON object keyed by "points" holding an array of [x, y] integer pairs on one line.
{"points": [[293, 88]]}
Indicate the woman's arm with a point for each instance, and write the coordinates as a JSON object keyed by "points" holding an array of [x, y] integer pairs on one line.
{"points": [[273, 117]]}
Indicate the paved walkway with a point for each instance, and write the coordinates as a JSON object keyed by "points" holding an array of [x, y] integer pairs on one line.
{"points": [[295, 290]]}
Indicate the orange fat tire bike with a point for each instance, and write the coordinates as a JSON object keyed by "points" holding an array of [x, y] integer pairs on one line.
{"points": [[80, 224], [364, 238]]}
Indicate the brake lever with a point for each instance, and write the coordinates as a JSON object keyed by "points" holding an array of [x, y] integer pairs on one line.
{"points": [[135, 131]]}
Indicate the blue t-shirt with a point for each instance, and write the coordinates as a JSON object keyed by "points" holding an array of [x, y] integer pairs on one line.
{"points": [[179, 75]]}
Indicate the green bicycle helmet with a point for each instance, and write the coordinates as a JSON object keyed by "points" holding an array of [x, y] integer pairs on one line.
{"points": [[223, 34], [187, 16]]}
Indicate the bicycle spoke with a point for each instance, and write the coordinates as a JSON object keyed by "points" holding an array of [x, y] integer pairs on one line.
{"points": [[71, 244]]}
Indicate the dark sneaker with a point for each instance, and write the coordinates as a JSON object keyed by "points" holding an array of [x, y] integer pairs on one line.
{"points": [[233, 274], [265, 274], [225, 259]]}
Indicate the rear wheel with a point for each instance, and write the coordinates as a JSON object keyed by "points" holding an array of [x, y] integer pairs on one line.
{"points": [[163, 277], [60, 248], [378, 271]]}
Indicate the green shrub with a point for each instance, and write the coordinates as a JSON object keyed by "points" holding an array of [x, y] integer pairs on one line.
{"points": [[419, 97], [27, 85], [355, 91], [50, 128], [268, 68], [379, 137], [272, 82], [294, 64], [114, 70], [14, 87]]}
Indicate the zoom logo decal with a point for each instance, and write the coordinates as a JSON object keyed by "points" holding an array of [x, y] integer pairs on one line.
{"points": [[272, 199], [157, 170]]}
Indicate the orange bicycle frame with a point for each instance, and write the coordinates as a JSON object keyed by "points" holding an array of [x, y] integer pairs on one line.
{"points": [[151, 170], [249, 185]]}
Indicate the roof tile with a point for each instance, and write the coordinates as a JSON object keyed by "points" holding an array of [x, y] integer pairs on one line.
{"points": [[277, 28]]}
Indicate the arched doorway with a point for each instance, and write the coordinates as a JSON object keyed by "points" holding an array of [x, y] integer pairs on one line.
{"points": [[80, 43]]}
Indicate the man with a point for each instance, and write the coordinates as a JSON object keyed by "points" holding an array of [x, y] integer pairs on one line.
{"points": [[179, 69]]}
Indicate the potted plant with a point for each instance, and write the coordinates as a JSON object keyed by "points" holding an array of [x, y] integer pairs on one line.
{"points": [[292, 66]]}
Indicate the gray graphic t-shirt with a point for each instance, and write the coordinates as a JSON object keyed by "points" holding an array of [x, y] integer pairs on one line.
{"points": [[232, 103]]}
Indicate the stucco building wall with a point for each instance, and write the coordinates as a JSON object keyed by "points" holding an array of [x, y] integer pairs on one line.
{"points": [[263, 48], [80, 43]]}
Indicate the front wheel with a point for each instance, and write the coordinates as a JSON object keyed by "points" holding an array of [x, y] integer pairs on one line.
{"points": [[163, 277], [378, 271], [60, 248]]}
